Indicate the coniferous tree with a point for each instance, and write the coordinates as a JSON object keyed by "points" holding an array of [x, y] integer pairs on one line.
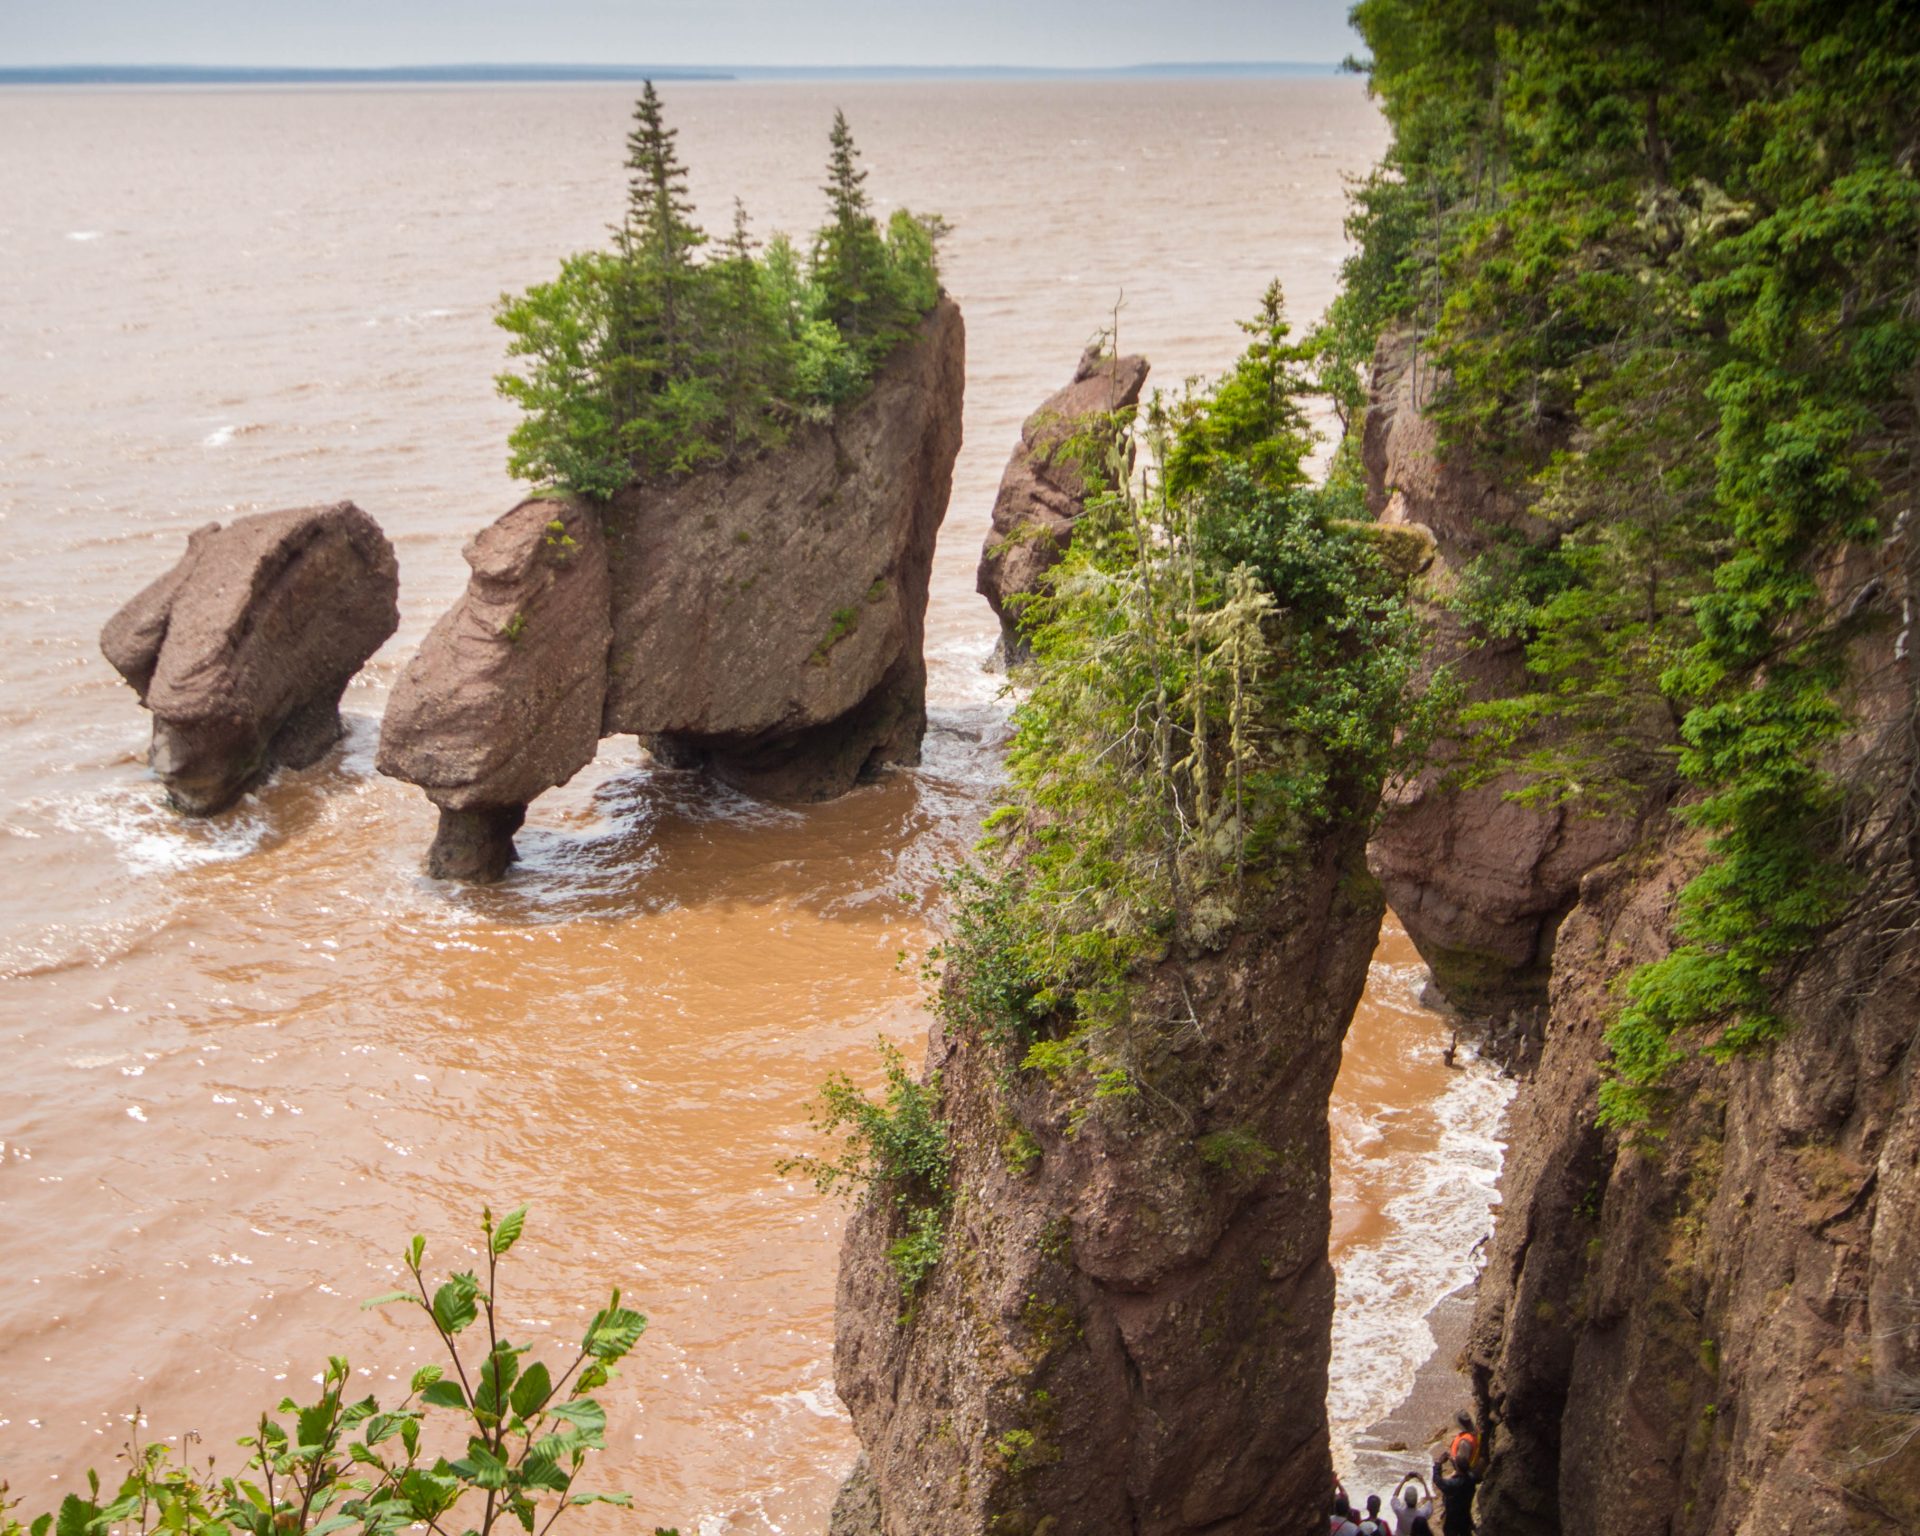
{"points": [[648, 361], [850, 258], [659, 237], [752, 347]]}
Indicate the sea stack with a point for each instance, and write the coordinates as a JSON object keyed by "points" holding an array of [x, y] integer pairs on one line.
{"points": [[1130, 1330], [503, 698], [242, 650], [1043, 490], [762, 621]]}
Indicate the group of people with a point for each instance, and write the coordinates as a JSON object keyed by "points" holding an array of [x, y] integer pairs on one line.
{"points": [[1410, 1508]]}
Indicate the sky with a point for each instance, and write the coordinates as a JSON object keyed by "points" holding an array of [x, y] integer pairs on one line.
{"points": [[335, 34]]}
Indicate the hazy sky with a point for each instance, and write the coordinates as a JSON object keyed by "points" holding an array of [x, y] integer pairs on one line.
{"points": [[347, 33]]}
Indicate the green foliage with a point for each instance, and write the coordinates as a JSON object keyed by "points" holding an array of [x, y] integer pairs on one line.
{"points": [[342, 1463], [1662, 262], [1222, 668], [1251, 420], [1237, 1152], [648, 360], [900, 1145]]}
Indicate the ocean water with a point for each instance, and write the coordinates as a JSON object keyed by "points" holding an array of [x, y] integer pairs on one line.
{"points": [[246, 1058]]}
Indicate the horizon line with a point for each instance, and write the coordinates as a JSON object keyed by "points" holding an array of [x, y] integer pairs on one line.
{"points": [[539, 73]]}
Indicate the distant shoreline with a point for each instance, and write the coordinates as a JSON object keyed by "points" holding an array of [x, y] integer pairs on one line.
{"points": [[608, 74]]}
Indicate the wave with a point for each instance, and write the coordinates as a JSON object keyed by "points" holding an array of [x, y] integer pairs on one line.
{"points": [[1386, 1288]]}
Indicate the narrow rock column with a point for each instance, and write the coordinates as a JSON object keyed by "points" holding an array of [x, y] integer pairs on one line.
{"points": [[1129, 1328]]}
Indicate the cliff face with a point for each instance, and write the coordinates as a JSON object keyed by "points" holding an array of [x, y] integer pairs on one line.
{"points": [[1129, 1330], [769, 621], [1716, 1330], [1480, 882], [764, 622]]}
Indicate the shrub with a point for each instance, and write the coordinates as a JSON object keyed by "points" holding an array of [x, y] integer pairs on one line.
{"points": [[898, 1145], [345, 1464]]}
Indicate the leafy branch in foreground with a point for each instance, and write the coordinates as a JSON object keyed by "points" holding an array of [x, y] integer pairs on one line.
{"points": [[344, 1464]]}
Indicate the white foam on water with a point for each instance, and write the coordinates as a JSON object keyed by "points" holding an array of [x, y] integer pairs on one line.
{"points": [[82, 236], [1385, 1289], [220, 436], [151, 838]]}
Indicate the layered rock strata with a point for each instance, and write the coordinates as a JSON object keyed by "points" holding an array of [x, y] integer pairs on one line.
{"points": [[242, 650], [1480, 881], [1129, 1328], [763, 621], [770, 620], [1043, 490]]}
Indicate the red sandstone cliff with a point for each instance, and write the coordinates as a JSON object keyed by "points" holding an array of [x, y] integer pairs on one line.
{"points": [[1714, 1330]]}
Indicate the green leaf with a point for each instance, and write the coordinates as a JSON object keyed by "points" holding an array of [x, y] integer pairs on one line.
{"points": [[587, 1419], [426, 1376], [480, 1466], [410, 1437], [453, 1303], [41, 1525], [613, 1332], [76, 1516], [316, 1421], [416, 1250], [444, 1394], [618, 1500], [544, 1472], [531, 1392], [508, 1232], [387, 1296], [428, 1494]]}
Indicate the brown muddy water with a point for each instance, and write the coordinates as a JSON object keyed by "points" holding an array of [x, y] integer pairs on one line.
{"points": [[245, 1058]]}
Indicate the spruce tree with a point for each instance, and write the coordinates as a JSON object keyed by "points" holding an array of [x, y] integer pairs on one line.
{"points": [[850, 258], [660, 236], [751, 347]]}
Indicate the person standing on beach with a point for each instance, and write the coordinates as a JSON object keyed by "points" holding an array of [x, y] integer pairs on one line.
{"points": [[1456, 1485]]}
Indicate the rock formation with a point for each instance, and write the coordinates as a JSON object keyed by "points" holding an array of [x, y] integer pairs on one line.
{"points": [[1709, 1313], [763, 621], [1480, 881], [769, 621], [1129, 1329], [503, 698], [1042, 493], [1705, 1333], [243, 649]]}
